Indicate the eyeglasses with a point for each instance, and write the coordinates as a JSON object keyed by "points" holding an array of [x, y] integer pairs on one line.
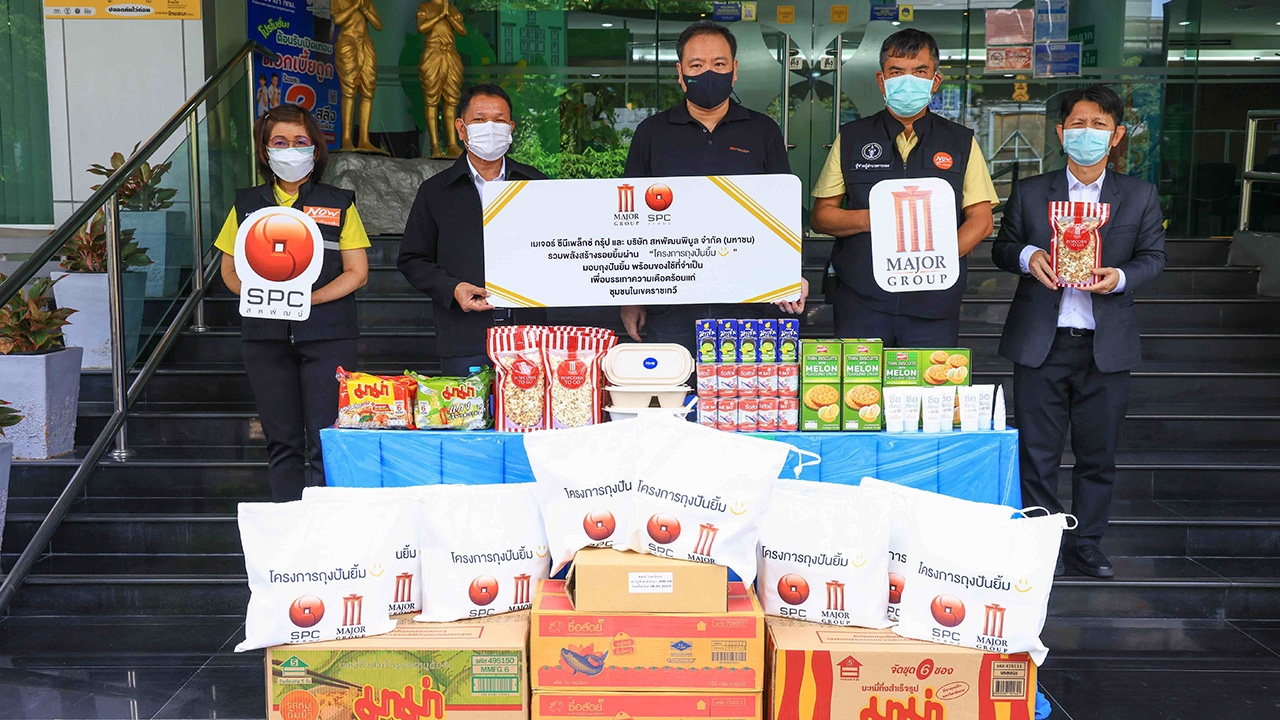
{"points": [[280, 143]]}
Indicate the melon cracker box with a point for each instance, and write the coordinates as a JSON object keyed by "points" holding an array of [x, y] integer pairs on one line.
{"points": [[655, 652], [474, 668], [583, 705], [825, 672]]}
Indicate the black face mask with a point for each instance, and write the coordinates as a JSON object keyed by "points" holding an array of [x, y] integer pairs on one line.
{"points": [[709, 89]]}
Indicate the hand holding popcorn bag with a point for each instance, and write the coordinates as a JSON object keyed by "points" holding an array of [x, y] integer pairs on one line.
{"points": [[1076, 253], [318, 571], [981, 584], [817, 536]]}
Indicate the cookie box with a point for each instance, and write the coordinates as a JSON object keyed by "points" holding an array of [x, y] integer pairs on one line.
{"points": [[820, 406], [927, 367], [821, 359]]}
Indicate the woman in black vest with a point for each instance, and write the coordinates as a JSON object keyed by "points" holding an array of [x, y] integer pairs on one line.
{"points": [[291, 365]]}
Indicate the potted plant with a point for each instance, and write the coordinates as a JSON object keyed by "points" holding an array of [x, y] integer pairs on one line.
{"points": [[144, 211], [38, 373], [84, 284], [9, 417]]}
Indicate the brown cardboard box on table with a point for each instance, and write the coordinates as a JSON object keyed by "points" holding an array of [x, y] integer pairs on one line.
{"points": [[584, 705], [846, 673], [477, 668], [605, 580]]}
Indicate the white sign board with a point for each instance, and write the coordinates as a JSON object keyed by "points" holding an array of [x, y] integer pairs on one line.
{"points": [[913, 235], [642, 241], [279, 253]]}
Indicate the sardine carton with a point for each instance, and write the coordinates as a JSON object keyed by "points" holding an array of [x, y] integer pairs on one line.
{"points": [[582, 705], [654, 652], [823, 672], [475, 668]]}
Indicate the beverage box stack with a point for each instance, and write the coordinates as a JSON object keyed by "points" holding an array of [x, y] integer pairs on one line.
{"points": [[632, 635], [748, 374]]}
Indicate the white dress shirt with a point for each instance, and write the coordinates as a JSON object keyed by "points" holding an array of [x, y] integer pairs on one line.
{"points": [[480, 181], [1076, 308]]}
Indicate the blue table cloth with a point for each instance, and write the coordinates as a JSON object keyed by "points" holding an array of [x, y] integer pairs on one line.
{"points": [[980, 466]]}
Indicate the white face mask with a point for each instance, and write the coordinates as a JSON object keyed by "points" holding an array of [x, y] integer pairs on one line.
{"points": [[291, 164], [489, 140]]}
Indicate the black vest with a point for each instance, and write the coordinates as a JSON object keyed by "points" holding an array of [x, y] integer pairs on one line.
{"points": [[869, 154], [332, 320]]}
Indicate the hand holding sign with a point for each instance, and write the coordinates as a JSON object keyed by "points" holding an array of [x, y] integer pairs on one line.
{"points": [[279, 254], [914, 242]]}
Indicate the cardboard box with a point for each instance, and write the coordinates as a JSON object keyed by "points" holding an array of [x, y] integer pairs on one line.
{"points": [[476, 667], [656, 651], [749, 341], [605, 580], [726, 341], [705, 333], [554, 705], [788, 340], [821, 359], [862, 386], [927, 367], [768, 340], [820, 406], [844, 673]]}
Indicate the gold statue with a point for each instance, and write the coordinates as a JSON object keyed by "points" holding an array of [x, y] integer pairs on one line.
{"points": [[357, 66], [440, 70]]}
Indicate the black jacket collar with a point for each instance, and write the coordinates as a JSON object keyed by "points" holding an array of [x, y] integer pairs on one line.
{"points": [[922, 125], [680, 113], [460, 169]]}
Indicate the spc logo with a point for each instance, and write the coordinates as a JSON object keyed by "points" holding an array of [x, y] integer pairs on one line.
{"points": [[658, 197], [278, 256]]}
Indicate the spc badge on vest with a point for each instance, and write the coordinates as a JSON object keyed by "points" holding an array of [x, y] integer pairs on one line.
{"points": [[914, 243], [279, 253]]}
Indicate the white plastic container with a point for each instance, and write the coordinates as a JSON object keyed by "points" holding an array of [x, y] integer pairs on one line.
{"points": [[620, 413], [641, 396], [648, 364]]}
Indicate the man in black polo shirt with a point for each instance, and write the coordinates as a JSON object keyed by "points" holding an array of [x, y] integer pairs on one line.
{"points": [[707, 134]]}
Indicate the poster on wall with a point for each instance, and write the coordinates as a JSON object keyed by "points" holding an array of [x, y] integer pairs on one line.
{"points": [[1057, 60], [302, 35], [1051, 20], [1010, 27], [1009, 59], [121, 10]]}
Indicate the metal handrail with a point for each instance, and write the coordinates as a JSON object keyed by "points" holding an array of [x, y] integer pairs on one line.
{"points": [[112, 185], [106, 198], [1250, 176]]}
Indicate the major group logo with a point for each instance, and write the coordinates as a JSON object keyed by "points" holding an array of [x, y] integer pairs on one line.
{"points": [[911, 209], [352, 610], [706, 539]]}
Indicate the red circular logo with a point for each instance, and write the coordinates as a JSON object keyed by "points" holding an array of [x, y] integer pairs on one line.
{"points": [[278, 247], [896, 582], [664, 528], [1076, 237], [793, 589], [947, 610], [572, 374], [483, 590], [943, 161], [306, 611], [524, 374], [658, 197], [599, 524], [925, 669]]}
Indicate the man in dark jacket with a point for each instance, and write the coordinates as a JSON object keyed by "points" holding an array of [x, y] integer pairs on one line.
{"points": [[442, 253], [1073, 348]]}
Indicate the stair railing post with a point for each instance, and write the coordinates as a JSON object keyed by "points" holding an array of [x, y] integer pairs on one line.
{"points": [[115, 299], [197, 223]]}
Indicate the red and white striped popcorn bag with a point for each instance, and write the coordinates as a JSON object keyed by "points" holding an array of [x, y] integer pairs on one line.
{"points": [[1076, 250]]}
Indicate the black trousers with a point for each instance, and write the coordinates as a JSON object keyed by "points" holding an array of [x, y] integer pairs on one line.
{"points": [[460, 365], [856, 319], [296, 393], [1069, 389]]}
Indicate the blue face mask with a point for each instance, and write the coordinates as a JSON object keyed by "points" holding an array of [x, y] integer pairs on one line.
{"points": [[907, 95], [1086, 146]]}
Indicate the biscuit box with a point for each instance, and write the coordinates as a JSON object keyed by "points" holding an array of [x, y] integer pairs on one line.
{"points": [[820, 406], [554, 705], [726, 341], [820, 359], [862, 384], [475, 668], [618, 651], [788, 340], [705, 333], [926, 367], [821, 672], [605, 579]]}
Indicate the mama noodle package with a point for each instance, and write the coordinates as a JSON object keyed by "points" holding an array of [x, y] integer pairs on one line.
{"points": [[656, 485], [902, 518], [317, 571], [483, 551], [982, 585], [818, 536]]}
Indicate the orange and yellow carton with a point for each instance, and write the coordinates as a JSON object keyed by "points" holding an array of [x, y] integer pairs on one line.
{"points": [[655, 652], [823, 672], [581, 705]]}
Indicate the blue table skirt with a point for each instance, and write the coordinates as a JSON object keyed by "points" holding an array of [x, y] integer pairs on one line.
{"points": [[980, 466]]}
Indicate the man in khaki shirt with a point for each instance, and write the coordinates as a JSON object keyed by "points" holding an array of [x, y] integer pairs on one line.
{"points": [[904, 140]]}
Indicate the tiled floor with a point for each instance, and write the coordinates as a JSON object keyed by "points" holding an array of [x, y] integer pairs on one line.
{"points": [[185, 668]]}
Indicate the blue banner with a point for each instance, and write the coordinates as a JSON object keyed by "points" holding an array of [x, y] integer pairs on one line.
{"points": [[1057, 60], [305, 73]]}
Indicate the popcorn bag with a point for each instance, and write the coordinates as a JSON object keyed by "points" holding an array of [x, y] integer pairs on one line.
{"points": [[375, 401], [519, 393], [483, 551], [980, 584], [318, 570], [903, 516], [825, 536], [1076, 252], [572, 361]]}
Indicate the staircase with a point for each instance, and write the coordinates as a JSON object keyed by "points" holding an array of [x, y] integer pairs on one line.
{"points": [[1195, 532]]}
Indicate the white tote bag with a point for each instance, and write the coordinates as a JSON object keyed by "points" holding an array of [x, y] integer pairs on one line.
{"points": [[317, 571], [483, 551], [979, 583], [902, 519], [405, 574], [824, 554]]}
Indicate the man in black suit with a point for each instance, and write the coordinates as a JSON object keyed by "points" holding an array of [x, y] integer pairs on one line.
{"points": [[1073, 348], [442, 253]]}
